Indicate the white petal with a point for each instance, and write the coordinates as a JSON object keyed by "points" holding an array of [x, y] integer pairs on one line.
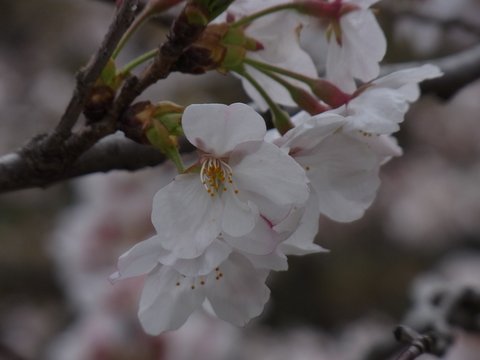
{"points": [[344, 174], [238, 218], [186, 216], [406, 80], [261, 241], [301, 242], [240, 294], [262, 168], [311, 131], [361, 32], [382, 145], [140, 259], [218, 128], [377, 111], [276, 261], [363, 47], [164, 305], [213, 256]]}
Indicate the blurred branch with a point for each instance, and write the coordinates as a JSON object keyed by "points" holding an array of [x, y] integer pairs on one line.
{"points": [[431, 323], [49, 156], [396, 13]]}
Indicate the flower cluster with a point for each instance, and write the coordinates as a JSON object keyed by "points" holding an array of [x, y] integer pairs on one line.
{"points": [[251, 198]]}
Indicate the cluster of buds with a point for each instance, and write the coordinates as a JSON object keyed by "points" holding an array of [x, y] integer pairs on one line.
{"points": [[220, 47]]}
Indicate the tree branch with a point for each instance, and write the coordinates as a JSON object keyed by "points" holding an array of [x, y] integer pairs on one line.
{"points": [[90, 73]]}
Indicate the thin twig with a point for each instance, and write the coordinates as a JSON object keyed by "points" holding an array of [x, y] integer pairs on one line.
{"points": [[90, 73]]}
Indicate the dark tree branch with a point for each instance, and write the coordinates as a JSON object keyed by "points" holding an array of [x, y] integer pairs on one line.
{"points": [[90, 73], [453, 23], [431, 323]]}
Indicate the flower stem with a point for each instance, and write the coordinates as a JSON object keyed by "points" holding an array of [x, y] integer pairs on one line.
{"points": [[323, 89], [304, 100], [272, 68], [248, 19], [177, 160], [138, 61], [131, 30], [281, 120]]}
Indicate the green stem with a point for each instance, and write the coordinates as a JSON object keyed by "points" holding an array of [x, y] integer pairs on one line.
{"points": [[248, 19], [138, 61], [176, 158], [146, 13], [272, 68], [280, 119]]}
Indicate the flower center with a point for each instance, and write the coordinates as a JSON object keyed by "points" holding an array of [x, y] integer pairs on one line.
{"points": [[216, 175]]}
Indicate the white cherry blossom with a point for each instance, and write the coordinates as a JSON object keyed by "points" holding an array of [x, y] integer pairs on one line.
{"points": [[244, 184], [341, 165], [362, 45], [174, 288]]}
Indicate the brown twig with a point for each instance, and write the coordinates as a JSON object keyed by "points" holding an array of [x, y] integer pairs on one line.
{"points": [[90, 73]]}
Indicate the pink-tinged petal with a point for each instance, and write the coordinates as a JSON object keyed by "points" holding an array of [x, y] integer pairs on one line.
{"points": [[301, 242], [213, 256], [218, 128], [164, 305], [262, 168], [186, 216], [276, 261], [344, 175], [261, 240], [238, 218], [240, 293], [140, 259]]}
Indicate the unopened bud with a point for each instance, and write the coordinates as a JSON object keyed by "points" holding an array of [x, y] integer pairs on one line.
{"points": [[136, 120], [98, 103], [307, 101], [329, 93]]}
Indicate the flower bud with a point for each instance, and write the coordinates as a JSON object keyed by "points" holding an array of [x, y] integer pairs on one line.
{"points": [[98, 103], [329, 93], [306, 101], [136, 120]]}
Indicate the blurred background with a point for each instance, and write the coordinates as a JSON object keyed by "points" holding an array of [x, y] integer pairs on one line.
{"points": [[58, 245]]}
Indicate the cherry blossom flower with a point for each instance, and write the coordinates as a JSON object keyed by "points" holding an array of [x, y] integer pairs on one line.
{"points": [[244, 184], [342, 149], [234, 288], [342, 166], [358, 49]]}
